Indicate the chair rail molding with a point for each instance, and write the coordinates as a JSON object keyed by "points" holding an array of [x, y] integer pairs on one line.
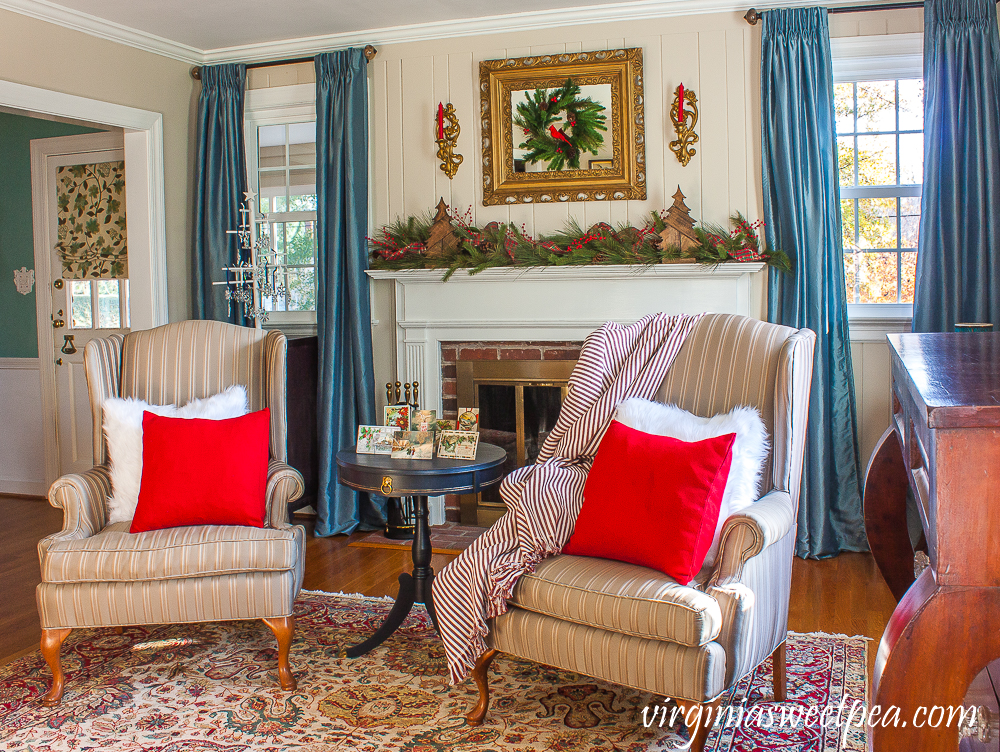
{"points": [[550, 303]]}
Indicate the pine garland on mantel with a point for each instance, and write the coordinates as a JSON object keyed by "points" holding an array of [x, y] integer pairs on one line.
{"points": [[450, 242]]}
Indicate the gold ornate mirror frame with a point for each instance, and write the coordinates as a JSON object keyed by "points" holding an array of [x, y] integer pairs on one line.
{"points": [[624, 179]]}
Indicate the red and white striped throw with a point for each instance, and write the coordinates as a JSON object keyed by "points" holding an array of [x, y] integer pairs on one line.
{"points": [[543, 499]]}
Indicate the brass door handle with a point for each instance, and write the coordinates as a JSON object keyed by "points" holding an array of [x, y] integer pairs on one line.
{"points": [[68, 347], [58, 361], [58, 323]]}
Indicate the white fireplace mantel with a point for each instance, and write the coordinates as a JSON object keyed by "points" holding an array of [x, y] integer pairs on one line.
{"points": [[549, 303]]}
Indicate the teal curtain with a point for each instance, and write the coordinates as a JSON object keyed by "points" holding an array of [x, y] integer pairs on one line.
{"points": [[343, 313], [802, 215], [220, 180], [958, 261]]}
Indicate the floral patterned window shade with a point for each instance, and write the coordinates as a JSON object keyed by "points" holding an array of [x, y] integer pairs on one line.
{"points": [[91, 221]]}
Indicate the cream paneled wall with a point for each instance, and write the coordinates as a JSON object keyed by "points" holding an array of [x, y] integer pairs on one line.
{"points": [[713, 55]]}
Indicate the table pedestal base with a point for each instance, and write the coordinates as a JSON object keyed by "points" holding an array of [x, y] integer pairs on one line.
{"points": [[413, 588]]}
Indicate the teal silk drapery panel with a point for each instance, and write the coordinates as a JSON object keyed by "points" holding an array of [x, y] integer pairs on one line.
{"points": [[802, 215], [220, 181], [958, 261], [343, 311]]}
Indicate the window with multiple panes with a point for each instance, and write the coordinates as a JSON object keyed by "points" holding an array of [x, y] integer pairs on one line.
{"points": [[98, 303], [286, 185], [880, 153]]}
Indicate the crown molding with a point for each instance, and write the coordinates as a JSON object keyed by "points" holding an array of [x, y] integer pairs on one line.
{"points": [[633, 10], [103, 29]]}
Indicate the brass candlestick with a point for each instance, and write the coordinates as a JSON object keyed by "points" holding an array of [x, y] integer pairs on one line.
{"points": [[683, 110], [447, 139]]}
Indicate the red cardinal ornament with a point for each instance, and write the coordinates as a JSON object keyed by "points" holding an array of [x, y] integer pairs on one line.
{"points": [[559, 135]]}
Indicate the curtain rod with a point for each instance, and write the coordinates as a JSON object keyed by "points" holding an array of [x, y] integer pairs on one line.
{"points": [[753, 15], [370, 53]]}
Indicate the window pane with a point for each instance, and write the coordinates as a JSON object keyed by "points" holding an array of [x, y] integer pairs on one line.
{"points": [[911, 105], [909, 276], [300, 243], [909, 218], [108, 304], [302, 154], [847, 222], [303, 133], [83, 316], [271, 156], [302, 289], [877, 222], [845, 159], [843, 98], [850, 275], [128, 313], [876, 160], [302, 190], [877, 106], [877, 277], [272, 189], [911, 158]]}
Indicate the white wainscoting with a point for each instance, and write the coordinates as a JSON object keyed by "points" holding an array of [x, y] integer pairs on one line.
{"points": [[22, 449]]}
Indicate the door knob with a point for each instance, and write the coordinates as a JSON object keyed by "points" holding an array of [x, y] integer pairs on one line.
{"points": [[58, 361], [58, 323]]}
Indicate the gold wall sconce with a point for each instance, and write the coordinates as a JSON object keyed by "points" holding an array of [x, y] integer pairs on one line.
{"points": [[683, 110], [447, 139]]}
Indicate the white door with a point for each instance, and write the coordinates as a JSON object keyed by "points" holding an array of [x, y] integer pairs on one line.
{"points": [[78, 201]]}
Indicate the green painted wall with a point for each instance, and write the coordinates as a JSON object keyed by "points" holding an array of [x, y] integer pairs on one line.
{"points": [[18, 337]]}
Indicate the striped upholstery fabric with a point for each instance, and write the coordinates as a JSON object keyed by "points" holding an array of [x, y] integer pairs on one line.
{"points": [[657, 666], [619, 597], [591, 615], [198, 551], [95, 574], [257, 595]]}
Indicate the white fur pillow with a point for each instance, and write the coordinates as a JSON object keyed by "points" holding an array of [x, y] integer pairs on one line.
{"points": [[123, 430], [749, 449]]}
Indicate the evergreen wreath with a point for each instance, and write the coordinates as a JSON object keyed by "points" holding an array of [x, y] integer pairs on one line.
{"points": [[537, 117]]}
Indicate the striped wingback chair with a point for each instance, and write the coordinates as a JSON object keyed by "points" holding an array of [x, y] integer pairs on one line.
{"points": [[96, 574], [637, 627]]}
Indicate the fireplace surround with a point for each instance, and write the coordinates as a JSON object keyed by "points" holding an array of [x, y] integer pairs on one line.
{"points": [[540, 314]]}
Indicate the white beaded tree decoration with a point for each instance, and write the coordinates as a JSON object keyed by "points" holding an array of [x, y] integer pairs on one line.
{"points": [[255, 275]]}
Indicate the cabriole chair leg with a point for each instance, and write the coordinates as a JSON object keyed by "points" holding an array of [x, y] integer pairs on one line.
{"points": [[52, 640], [480, 674], [284, 629], [778, 673]]}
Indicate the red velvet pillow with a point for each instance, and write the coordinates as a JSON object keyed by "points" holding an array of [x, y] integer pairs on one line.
{"points": [[202, 472], [653, 500]]}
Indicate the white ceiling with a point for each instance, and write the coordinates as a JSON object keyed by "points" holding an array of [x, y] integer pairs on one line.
{"points": [[213, 24]]}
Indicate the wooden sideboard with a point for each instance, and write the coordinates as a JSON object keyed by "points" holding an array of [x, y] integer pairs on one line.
{"points": [[944, 443]]}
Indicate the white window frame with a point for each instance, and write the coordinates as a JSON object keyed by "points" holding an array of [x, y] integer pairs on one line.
{"points": [[878, 58], [280, 105]]}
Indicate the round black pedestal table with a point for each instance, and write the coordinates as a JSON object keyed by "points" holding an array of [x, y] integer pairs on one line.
{"points": [[379, 474]]}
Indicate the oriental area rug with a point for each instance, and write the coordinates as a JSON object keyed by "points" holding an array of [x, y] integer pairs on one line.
{"points": [[213, 688]]}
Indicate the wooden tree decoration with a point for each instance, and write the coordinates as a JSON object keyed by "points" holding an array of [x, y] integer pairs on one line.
{"points": [[442, 239], [679, 231]]}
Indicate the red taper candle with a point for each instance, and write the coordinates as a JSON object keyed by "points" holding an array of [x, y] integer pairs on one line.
{"points": [[680, 105], [440, 121]]}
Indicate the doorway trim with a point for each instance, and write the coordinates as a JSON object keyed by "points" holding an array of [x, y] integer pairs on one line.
{"points": [[145, 224]]}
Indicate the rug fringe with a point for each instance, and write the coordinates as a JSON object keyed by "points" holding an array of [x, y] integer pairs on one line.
{"points": [[352, 596], [832, 634]]}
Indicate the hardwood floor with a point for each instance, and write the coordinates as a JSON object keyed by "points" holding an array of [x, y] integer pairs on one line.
{"points": [[845, 594]]}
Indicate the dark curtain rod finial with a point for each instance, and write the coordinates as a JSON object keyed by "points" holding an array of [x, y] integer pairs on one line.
{"points": [[752, 16], [370, 53]]}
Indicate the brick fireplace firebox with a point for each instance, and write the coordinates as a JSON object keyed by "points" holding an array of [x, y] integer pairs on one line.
{"points": [[453, 353]]}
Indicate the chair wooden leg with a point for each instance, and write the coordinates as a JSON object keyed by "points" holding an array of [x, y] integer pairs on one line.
{"points": [[52, 640], [284, 629], [703, 715], [119, 630], [480, 674], [778, 673]]}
